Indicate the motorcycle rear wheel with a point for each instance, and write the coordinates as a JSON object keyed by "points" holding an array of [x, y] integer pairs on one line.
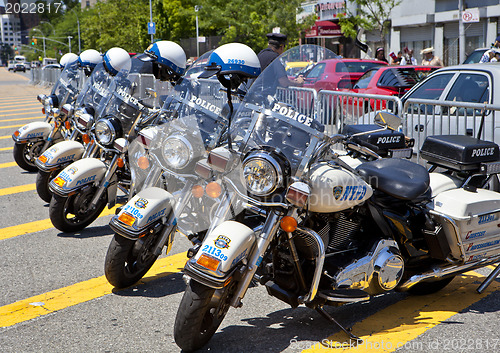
{"points": [[71, 214], [200, 313], [42, 184], [25, 154], [127, 261]]}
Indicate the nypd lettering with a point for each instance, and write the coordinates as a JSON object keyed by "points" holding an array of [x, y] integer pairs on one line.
{"points": [[353, 193], [482, 152], [207, 105], [480, 246], [292, 114], [388, 139]]}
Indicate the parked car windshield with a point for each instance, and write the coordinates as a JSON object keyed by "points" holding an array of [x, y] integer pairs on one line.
{"points": [[475, 56], [355, 66], [432, 88]]}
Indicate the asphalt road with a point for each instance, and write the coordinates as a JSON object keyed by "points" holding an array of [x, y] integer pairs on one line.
{"points": [[54, 297]]}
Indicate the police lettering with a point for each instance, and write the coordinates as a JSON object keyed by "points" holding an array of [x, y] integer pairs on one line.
{"points": [[204, 104], [65, 159], [156, 215], [481, 152], [85, 180], [128, 98], [292, 114], [389, 139]]}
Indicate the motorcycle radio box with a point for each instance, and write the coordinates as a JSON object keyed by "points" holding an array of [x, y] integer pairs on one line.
{"points": [[458, 152], [378, 141]]}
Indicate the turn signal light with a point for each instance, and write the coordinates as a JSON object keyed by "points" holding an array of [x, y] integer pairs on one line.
{"points": [[42, 158], [213, 189], [208, 262], [143, 162], [43, 110], [288, 224], [59, 181], [197, 191], [85, 138], [120, 163], [127, 219], [16, 133], [67, 125]]}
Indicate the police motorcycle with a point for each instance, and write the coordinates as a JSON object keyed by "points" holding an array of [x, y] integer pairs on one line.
{"points": [[177, 186], [78, 145], [34, 138], [85, 187], [315, 231]]}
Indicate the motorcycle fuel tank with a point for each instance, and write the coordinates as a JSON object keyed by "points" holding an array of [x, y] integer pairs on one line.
{"points": [[334, 189]]}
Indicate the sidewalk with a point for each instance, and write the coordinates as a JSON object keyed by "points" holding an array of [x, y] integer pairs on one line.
{"points": [[13, 84]]}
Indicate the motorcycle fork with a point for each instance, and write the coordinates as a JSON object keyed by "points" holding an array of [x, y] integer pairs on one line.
{"points": [[90, 150], [105, 181], [263, 240]]}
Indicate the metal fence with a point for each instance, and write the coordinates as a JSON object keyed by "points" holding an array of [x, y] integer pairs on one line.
{"points": [[45, 77]]}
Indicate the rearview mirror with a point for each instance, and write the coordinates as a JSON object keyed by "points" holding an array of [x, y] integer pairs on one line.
{"points": [[386, 119]]}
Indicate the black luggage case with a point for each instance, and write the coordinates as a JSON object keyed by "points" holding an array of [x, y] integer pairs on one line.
{"points": [[380, 142]]}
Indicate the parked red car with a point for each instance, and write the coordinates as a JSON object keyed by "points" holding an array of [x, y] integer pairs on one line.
{"points": [[335, 74]]}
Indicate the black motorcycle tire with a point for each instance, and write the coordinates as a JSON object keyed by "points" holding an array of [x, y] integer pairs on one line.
{"points": [[63, 206], [42, 184], [425, 288], [21, 153], [125, 264], [196, 320]]}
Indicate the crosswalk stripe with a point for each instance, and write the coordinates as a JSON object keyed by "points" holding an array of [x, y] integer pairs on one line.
{"points": [[11, 126], [398, 324], [36, 226], [8, 164], [17, 189], [19, 119], [6, 148], [19, 105], [17, 110], [17, 114], [46, 303]]}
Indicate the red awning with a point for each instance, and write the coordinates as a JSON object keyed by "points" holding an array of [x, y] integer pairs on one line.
{"points": [[324, 29]]}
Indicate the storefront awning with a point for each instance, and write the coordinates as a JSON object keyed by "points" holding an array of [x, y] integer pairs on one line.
{"points": [[324, 29]]}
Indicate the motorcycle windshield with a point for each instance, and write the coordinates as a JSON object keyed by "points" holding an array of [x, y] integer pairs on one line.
{"points": [[95, 88], [135, 93], [68, 84]]}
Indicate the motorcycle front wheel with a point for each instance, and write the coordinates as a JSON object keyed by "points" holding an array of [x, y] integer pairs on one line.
{"points": [[25, 154], [127, 261], [200, 313], [42, 184], [73, 213]]}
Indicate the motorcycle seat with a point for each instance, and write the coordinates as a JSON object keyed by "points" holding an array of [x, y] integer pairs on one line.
{"points": [[397, 177]]}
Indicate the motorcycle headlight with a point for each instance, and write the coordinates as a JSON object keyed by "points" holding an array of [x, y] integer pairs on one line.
{"points": [[262, 174], [177, 152], [107, 130]]}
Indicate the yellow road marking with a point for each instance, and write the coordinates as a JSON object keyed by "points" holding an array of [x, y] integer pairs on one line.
{"points": [[394, 326], [36, 226], [5, 137], [9, 164], [19, 105], [17, 110], [19, 119], [17, 189], [11, 126], [77, 293], [6, 148], [16, 99]]}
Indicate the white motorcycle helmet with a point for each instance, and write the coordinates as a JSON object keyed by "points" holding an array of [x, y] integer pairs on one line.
{"points": [[117, 59], [233, 63], [68, 58], [88, 60], [169, 57]]}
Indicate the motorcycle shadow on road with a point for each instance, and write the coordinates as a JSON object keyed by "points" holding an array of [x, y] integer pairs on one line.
{"points": [[90, 232], [156, 286]]}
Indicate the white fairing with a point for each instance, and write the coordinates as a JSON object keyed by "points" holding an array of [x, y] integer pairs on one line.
{"points": [[230, 242], [148, 206], [442, 182], [61, 153], [34, 131], [80, 173], [336, 189]]}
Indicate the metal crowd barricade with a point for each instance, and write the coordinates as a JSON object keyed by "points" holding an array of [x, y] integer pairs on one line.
{"points": [[336, 108], [303, 100], [424, 117]]}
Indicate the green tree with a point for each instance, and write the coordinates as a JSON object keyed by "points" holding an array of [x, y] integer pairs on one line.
{"points": [[370, 15]]}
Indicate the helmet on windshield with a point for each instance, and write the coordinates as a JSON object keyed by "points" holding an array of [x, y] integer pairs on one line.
{"points": [[169, 60], [88, 59], [68, 58], [116, 59], [233, 63]]}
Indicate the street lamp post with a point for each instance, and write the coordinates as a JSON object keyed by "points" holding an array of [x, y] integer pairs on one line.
{"points": [[69, 43], [78, 23], [196, 9], [43, 38]]}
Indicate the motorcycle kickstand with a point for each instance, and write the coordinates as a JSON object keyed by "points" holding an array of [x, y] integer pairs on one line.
{"points": [[330, 318], [488, 280]]}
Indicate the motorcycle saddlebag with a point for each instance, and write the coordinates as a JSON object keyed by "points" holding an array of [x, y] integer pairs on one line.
{"points": [[458, 152], [380, 142]]}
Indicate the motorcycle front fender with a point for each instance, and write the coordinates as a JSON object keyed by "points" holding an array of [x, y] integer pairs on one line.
{"points": [[34, 131], [61, 153], [228, 244], [142, 211], [78, 174]]}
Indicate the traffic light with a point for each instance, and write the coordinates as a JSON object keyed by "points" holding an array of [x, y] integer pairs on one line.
{"points": [[32, 41], [36, 41]]}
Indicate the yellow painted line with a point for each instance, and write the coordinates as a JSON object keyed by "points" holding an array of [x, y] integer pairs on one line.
{"points": [[19, 105], [7, 165], [17, 110], [6, 148], [398, 324], [36, 226], [5, 137], [11, 126], [17, 189], [17, 114], [19, 119], [78, 293]]}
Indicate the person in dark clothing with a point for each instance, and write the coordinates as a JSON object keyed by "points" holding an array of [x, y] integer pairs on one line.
{"points": [[380, 54]]}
